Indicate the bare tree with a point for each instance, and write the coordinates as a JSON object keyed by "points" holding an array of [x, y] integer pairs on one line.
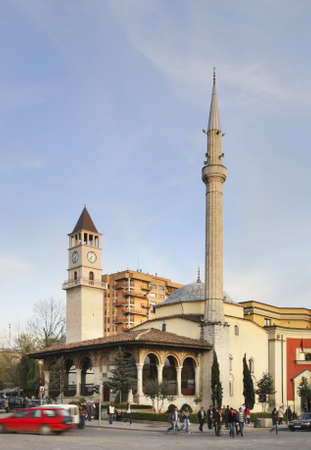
{"points": [[47, 325]]}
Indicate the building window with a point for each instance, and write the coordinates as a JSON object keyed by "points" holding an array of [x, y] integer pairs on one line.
{"points": [[267, 322], [161, 288], [152, 295], [91, 276], [251, 365], [153, 286], [307, 356], [236, 330], [75, 275], [161, 296]]}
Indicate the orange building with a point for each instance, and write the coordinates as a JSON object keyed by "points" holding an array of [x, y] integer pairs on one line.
{"points": [[130, 297]]}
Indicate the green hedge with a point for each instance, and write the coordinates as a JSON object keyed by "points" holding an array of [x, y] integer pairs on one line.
{"points": [[260, 415]]}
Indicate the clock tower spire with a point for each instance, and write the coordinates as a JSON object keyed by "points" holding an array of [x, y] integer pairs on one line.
{"points": [[84, 287]]}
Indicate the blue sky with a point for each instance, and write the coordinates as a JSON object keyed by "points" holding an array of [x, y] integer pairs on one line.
{"points": [[103, 102]]}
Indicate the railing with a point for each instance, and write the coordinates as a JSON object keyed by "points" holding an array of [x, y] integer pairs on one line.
{"points": [[84, 281], [70, 390], [134, 294], [135, 311], [87, 389]]}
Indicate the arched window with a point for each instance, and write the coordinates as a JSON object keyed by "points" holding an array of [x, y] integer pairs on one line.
{"points": [[91, 276], [75, 275], [150, 371], [188, 377], [70, 385], [170, 374], [236, 330], [87, 377]]}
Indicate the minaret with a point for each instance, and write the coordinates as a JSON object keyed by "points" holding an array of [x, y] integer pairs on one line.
{"points": [[214, 327], [214, 175]]}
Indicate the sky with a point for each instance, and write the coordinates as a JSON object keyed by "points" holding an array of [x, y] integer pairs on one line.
{"points": [[103, 102]]}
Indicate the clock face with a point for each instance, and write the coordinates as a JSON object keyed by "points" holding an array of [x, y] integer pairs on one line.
{"points": [[75, 257], [91, 256]]}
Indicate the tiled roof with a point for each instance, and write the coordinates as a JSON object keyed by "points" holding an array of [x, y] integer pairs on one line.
{"points": [[149, 336], [85, 222]]}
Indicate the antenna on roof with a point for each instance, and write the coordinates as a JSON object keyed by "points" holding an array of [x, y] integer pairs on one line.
{"points": [[199, 277]]}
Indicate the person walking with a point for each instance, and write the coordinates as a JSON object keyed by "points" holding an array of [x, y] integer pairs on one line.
{"points": [[231, 422], [274, 421], [210, 417], [241, 421], [226, 415], [96, 410], [201, 418], [217, 421], [174, 420], [129, 413], [186, 420], [289, 414], [247, 415], [280, 415], [111, 412]]}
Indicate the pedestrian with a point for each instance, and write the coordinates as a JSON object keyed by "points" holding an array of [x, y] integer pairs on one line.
{"points": [[186, 420], [210, 417], [111, 412], [289, 414], [274, 421], [173, 420], [217, 421], [226, 415], [89, 411], [201, 418], [241, 421], [280, 415], [96, 410], [82, 414], [231, 422], [247, 415], [129, 413]]}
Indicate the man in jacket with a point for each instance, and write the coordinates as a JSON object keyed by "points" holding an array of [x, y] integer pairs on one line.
{"points": [[201, 417], [173, 419]]}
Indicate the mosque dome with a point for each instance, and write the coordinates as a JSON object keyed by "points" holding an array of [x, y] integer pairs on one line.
{"points": [[190, 293]]}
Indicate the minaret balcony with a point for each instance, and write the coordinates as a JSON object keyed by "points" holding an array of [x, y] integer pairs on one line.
{"points": [[214, 171], [84, 282]]}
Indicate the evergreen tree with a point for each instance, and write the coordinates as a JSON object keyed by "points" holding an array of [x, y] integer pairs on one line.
{"points": [[248, 390], [304, 390], [28, 375], [123, 375], [216, 386]]}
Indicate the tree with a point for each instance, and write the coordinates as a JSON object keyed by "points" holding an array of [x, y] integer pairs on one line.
{"points": [[304, 392], [216, 386], [47, 326], [28, 374], [248, 386], [265, 388], [158, 393], [123, 376]]}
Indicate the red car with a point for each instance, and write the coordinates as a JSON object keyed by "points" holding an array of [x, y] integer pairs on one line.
{"points": [[42, 420]]}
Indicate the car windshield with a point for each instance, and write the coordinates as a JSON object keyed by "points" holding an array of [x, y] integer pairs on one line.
{"points": [[305, 416]]}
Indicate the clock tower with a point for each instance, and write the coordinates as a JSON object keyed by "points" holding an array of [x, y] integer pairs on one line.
{"points": [[84, 288]]}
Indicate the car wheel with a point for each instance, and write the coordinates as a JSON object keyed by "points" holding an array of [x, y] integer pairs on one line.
{"points": [[292, 429], [2, 428], [45, 429]]}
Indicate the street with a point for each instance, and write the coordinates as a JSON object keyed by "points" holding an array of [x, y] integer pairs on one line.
{"points": [[99, 438]]}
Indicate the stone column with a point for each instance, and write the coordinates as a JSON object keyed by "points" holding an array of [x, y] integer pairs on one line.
{"points": [[197, 381], [160, 373], [140, 392], [78, 393], [178, 374], [46, 374]]}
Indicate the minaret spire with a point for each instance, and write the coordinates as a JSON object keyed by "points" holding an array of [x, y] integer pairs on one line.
{"points": [[214, 121], [214, 175]]}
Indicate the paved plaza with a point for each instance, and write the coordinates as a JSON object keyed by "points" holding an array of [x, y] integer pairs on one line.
{"points": [[119, 439]]}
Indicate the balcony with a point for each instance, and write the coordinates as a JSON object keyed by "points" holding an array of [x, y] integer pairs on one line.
{"points": [[70, 390], [145, 288], [136, 311], [134, 294], [87, 389], [84, 282]]}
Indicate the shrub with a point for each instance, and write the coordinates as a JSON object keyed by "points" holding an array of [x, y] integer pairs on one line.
{"points": [[184, 406], [171, 408]]}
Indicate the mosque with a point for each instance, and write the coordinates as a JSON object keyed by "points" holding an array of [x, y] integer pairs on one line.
{"points": [[177, 344]]}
